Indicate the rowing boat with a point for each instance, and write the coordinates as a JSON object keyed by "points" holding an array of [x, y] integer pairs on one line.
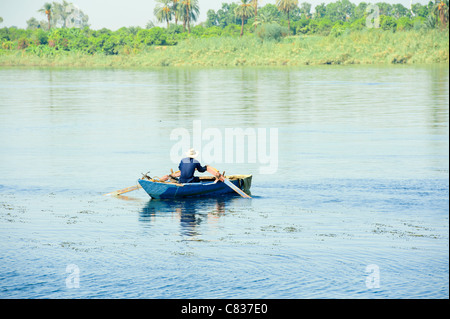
{"points": [[207, 186]]}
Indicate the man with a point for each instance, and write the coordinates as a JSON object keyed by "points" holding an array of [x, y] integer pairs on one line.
{"points": [[187, 168]]}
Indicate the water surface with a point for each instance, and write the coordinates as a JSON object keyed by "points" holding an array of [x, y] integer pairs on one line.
{"points": [[362, 180]]}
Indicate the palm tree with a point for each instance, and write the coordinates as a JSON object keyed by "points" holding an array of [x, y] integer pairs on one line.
{"points": [[244, 11], [163, 11], [47, 10], [255, 3], [189, 11], [287, 6], [265, 18], [441, 10], [176, 10]]}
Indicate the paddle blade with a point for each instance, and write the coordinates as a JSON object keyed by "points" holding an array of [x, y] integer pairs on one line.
{"points": [[235, 188], [123, 191], [222, 178]]}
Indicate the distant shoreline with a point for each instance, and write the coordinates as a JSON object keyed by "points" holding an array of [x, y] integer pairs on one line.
{"points": [[358, 47]]}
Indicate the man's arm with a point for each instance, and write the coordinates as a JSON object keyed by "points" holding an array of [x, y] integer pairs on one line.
{"points": [[201, 168]]}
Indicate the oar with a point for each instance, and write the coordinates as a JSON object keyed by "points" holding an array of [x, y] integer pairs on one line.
{"points": [[136, 187], [123, 191], [165, 178], [222, 178]]}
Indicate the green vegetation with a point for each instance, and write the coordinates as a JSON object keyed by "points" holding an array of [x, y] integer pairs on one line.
{"points": [[287, 6], [47, 10], [243, 12], [359, 47], [237, 34]]}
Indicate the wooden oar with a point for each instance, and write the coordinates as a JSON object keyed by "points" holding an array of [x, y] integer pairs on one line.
{"points": [[165, 178], [222, 178], [123, 191], [136, 187]]}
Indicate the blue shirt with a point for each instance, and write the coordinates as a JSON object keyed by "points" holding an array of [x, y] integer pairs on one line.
{"points": [[187, 169]]}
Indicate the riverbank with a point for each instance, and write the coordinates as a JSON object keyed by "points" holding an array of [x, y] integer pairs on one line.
{"points": [[357, 47]]}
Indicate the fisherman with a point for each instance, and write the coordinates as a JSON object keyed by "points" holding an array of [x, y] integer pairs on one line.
{"points": [[187, 168]]}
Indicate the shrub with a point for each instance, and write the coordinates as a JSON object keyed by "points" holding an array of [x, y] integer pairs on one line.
{"points": [[387, 23], [41, 50], [337, 30], [232, 30], [95, 44], [175, 28], [404, 23], [358, 24], [271, 32], [300, 26], [156, 36], [41, 37], [59, 39], [324, 26], [7, 45], [23, 43], [419, 23], [197, 31], [213, 31], [312, 26], [111, 45]]}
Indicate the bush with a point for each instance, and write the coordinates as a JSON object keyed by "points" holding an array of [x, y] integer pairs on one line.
{"points": [[388, 23], [175, 29], [404, 23], [300, 26], [4, 34], [197, 31], [153, 36], [358, 24], [324, 26], [232, 30], [337, 30], [312, 26], [41, 50], [419, 23], [213, 31], [95, 44], [41, 37], [271, 32], [7, 45], [111, 45], [23, 43], [59, 38]]}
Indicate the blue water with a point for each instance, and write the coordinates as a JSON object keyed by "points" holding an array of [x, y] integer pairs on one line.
{"points": [[362, 180]]}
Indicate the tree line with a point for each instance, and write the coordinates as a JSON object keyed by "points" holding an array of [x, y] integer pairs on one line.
{"points": [[65, 27], [286, 11], [248, 12]]}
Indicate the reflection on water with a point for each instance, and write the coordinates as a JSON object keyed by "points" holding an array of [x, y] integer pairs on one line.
{"points": [[191, 212], [50, 120]]}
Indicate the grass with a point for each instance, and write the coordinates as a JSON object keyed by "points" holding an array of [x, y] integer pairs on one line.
{"points": [[357, 47]]}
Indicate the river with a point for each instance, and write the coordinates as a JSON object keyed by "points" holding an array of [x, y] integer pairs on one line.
{"points": [[350, 197]]}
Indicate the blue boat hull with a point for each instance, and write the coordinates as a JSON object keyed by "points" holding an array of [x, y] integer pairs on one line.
{"points": [[161, 190]]}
